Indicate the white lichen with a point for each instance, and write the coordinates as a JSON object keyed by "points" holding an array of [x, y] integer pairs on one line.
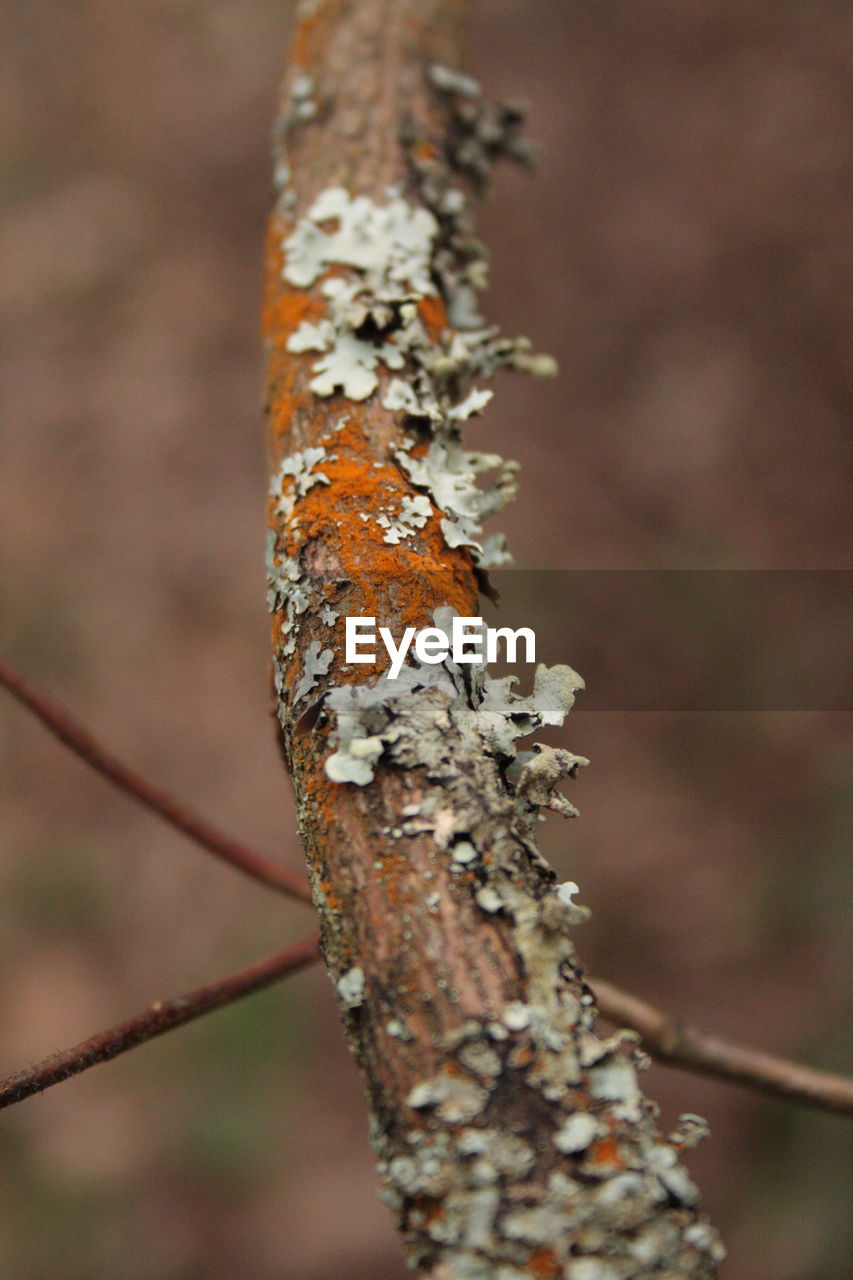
{"points": [[452, 1098], [314, 664], [449, 474], [295, 477], [464, 853], [350, 988], [348, 368], [493, 712], [516, 1015], [576, 1133], [489, 899], [391, 244], [615, 1080], [447, 80], [311, 337]]}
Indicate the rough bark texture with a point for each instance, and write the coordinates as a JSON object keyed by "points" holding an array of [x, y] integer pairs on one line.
{"points": [[513, 1140]]}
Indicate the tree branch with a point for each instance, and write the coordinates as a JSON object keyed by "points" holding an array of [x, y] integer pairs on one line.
{"points": [[159, 1017], [672, 1041], [68, 730], [513, 1139]]}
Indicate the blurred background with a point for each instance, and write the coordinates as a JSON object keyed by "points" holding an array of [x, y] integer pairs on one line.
{"points": [[683, 252]]}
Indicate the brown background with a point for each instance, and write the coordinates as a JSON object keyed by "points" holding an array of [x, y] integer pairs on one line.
{"points": [[682, 253]]}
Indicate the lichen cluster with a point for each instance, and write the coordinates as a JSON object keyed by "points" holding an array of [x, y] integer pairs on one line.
{"points": [[527, 1148], [371, 720], [614, 1201], [395, 284]]}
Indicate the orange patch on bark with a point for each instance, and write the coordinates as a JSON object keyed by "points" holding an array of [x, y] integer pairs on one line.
{"points": [[285, 399], [333, 902], [310, 35], [283, 314], [392, 892], [432, 1210], [284, 308], [395, 579], [433, 314], [426, 150], [455, 1069], [543, 1265], [606, 1152]]}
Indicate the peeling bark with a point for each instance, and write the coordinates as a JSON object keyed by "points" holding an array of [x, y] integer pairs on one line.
{"points": [[513, 1139]]}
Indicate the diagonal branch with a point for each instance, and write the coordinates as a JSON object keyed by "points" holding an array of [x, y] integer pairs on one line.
{"points": [[672, 1041], [159, 1017], [67, 729]]}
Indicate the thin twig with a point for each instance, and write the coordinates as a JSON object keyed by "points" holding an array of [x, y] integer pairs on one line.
{"points": [[665, 1037], [672, 1041], [159, 1017], [63, 725]]}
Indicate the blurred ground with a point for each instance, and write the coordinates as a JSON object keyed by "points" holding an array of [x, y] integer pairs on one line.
{"points": [[682, 252]]}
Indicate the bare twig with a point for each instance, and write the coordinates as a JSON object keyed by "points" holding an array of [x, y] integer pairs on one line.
{"points": [[672, 1041], [159, 1017], [63, 725], [665, 1037]]}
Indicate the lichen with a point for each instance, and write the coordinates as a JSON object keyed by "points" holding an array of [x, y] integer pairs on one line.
{"points": [[350, 988], [314, 664], [576, 1133], [373, 322], [518, 1142], [546, 1043]]}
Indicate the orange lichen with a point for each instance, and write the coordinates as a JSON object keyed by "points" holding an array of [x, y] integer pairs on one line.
{"points": [[398, 583], [543, 1265], [414, 574], [286, 398], [284, 312], [392, 892], [451, 1068], [311, 33], [333, 902], [605, 1151], [432, 1210], [523, 1055], [284, 309], [425, 150], [433, 314]]}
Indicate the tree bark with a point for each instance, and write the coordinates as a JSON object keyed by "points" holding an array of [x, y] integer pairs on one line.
{"points": [[513, 1139]]}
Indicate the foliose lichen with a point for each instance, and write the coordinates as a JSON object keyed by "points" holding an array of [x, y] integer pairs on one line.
{"points": [[479, 1195]]}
